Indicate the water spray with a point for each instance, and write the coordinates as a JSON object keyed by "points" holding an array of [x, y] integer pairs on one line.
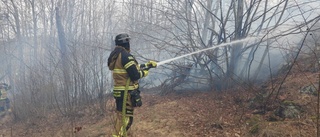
{"points": [[221, 45]]}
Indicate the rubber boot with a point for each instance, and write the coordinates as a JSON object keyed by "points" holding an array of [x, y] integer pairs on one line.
{"points": [[118, 125]]}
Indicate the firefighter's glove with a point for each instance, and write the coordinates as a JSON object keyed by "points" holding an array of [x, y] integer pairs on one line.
{"points": [[144, 73], [136, 98], [151, 64]]}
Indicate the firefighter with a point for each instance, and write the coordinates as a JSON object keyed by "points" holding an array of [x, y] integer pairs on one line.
{"points": [[3, 96], [126, 73]]}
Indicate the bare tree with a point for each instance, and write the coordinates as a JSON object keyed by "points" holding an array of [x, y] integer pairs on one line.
{"points": [[68, 82], [188, 28], [40, 72]]}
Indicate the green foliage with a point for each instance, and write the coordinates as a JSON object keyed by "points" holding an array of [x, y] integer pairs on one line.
{"points": [[314, 118], [254, 129], [288, 103], [254, 123], [253, 120]]}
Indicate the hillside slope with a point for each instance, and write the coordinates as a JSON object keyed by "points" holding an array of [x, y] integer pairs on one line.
{"points": [[189, 114], [196, 114]]}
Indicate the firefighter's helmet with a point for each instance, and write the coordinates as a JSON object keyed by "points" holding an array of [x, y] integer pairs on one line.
{"points": [[122, 39]]}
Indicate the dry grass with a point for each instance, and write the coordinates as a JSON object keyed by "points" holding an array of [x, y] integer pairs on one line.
{"points": [[192, 114]]}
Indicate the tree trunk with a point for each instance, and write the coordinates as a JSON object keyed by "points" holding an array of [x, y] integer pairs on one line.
{"points": [[64, 60]]}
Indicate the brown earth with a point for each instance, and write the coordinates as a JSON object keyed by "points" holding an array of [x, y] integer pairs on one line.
{"points": [[189, 114], [198, 114]]}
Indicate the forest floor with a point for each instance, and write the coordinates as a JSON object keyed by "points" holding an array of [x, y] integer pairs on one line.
{"points": [[190, 114]]}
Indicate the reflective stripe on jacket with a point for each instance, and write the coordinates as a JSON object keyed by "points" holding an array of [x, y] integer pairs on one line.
{"points": [[120, 64], [3, 94]]}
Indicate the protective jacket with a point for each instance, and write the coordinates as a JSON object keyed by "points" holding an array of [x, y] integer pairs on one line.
{"points": [[124, 66], [3, 94]]}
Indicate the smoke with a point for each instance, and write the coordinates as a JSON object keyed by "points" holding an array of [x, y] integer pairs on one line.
{"points": [[269, 57]]}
